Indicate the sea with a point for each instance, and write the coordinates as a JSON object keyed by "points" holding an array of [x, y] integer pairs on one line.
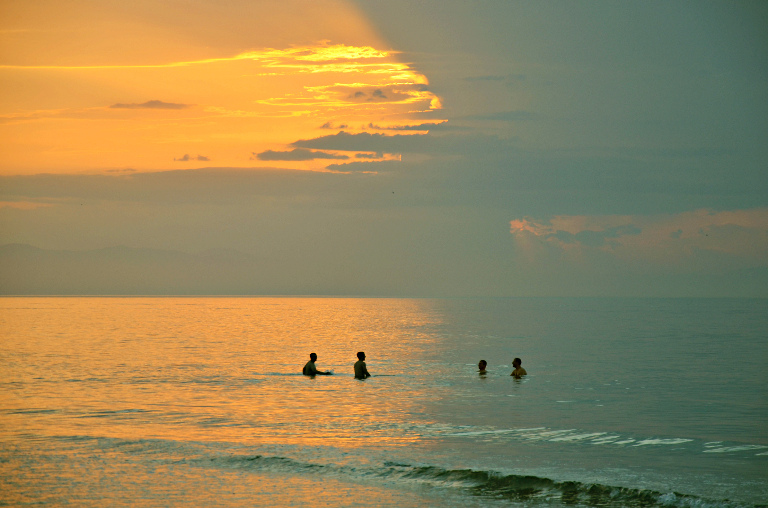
{"points": [[200, 401]]}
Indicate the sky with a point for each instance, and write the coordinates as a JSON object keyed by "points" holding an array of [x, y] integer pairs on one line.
{"points": [[439, 148]]}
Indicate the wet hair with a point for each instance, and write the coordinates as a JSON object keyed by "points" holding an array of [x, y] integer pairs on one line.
{"points": [[483, 363], [312, 356], [360, 355], [517, 361]]}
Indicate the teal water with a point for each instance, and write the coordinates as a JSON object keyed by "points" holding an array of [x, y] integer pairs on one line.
{"points": [[199, 401]]}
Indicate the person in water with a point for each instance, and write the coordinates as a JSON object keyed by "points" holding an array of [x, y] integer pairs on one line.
{"points": [[519, 371], [310, 369], [481, 367], [361, 371]]}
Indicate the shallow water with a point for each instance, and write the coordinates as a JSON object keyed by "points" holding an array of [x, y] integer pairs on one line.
{"points": [[199, 401]]}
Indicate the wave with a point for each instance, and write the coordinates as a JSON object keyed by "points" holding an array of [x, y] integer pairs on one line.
{"points": [[528, 490], [487, 484]]}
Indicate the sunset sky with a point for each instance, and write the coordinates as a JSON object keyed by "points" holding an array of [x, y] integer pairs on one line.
{"points": [[397, 148]]}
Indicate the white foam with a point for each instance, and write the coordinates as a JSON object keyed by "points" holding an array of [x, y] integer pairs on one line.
{"points": [[578, 437], [605, 440], [741, 448], [645, 442]]}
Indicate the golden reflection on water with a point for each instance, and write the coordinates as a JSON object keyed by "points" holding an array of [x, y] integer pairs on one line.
{"points": [[223, 369]]}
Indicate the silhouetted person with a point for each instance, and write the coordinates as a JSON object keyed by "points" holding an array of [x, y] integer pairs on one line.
{"points": [[310, 369], [481, 367], [519, 371], [361, 371]]}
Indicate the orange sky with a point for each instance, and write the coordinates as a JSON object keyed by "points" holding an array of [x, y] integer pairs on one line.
{"points": [[99, 86], [453, 147]]}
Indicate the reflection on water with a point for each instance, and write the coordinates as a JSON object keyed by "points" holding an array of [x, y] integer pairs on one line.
{"points": [[223, 368]]}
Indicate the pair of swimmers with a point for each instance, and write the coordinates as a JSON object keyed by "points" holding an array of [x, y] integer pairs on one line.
{"points": [[361, 371], [516, 363]]}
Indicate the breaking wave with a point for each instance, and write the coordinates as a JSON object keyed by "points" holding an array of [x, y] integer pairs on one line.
{"points": [[514, 488]]}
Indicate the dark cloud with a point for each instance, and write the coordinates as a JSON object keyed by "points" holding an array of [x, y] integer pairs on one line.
{"points": [[329, 125], [377, 155], [432, 126], [297, 154], [373, 95], [363, 142], [187, 158], [155, 104]]}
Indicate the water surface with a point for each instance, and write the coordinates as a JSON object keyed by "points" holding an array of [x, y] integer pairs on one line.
{"points": [[200, 401]]}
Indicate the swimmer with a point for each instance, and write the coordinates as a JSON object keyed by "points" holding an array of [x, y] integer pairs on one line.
{"points": [[519, 371], [361, 371], [481, 367], [310, 369]]}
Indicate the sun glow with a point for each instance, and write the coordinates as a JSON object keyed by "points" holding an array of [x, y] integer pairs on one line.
{"points": [[70, 115]]}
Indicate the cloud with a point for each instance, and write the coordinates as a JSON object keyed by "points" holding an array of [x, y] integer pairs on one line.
{"points": [[187, 158], [330, 125], [154, 104], [297, 154], [377, 155], [686, 238], [360, 93], [363, 142], [431, 126], [571, 230]]}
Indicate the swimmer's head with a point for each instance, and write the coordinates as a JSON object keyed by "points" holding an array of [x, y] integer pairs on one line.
{"points": [[361, 356], [312, 356], [482, 365], [516, 362]]}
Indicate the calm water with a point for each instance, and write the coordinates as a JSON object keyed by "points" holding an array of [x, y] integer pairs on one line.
{"points": [[199, 402]]}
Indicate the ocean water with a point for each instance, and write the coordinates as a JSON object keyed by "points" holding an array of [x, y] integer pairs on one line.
{"points": [[200, 402]]}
